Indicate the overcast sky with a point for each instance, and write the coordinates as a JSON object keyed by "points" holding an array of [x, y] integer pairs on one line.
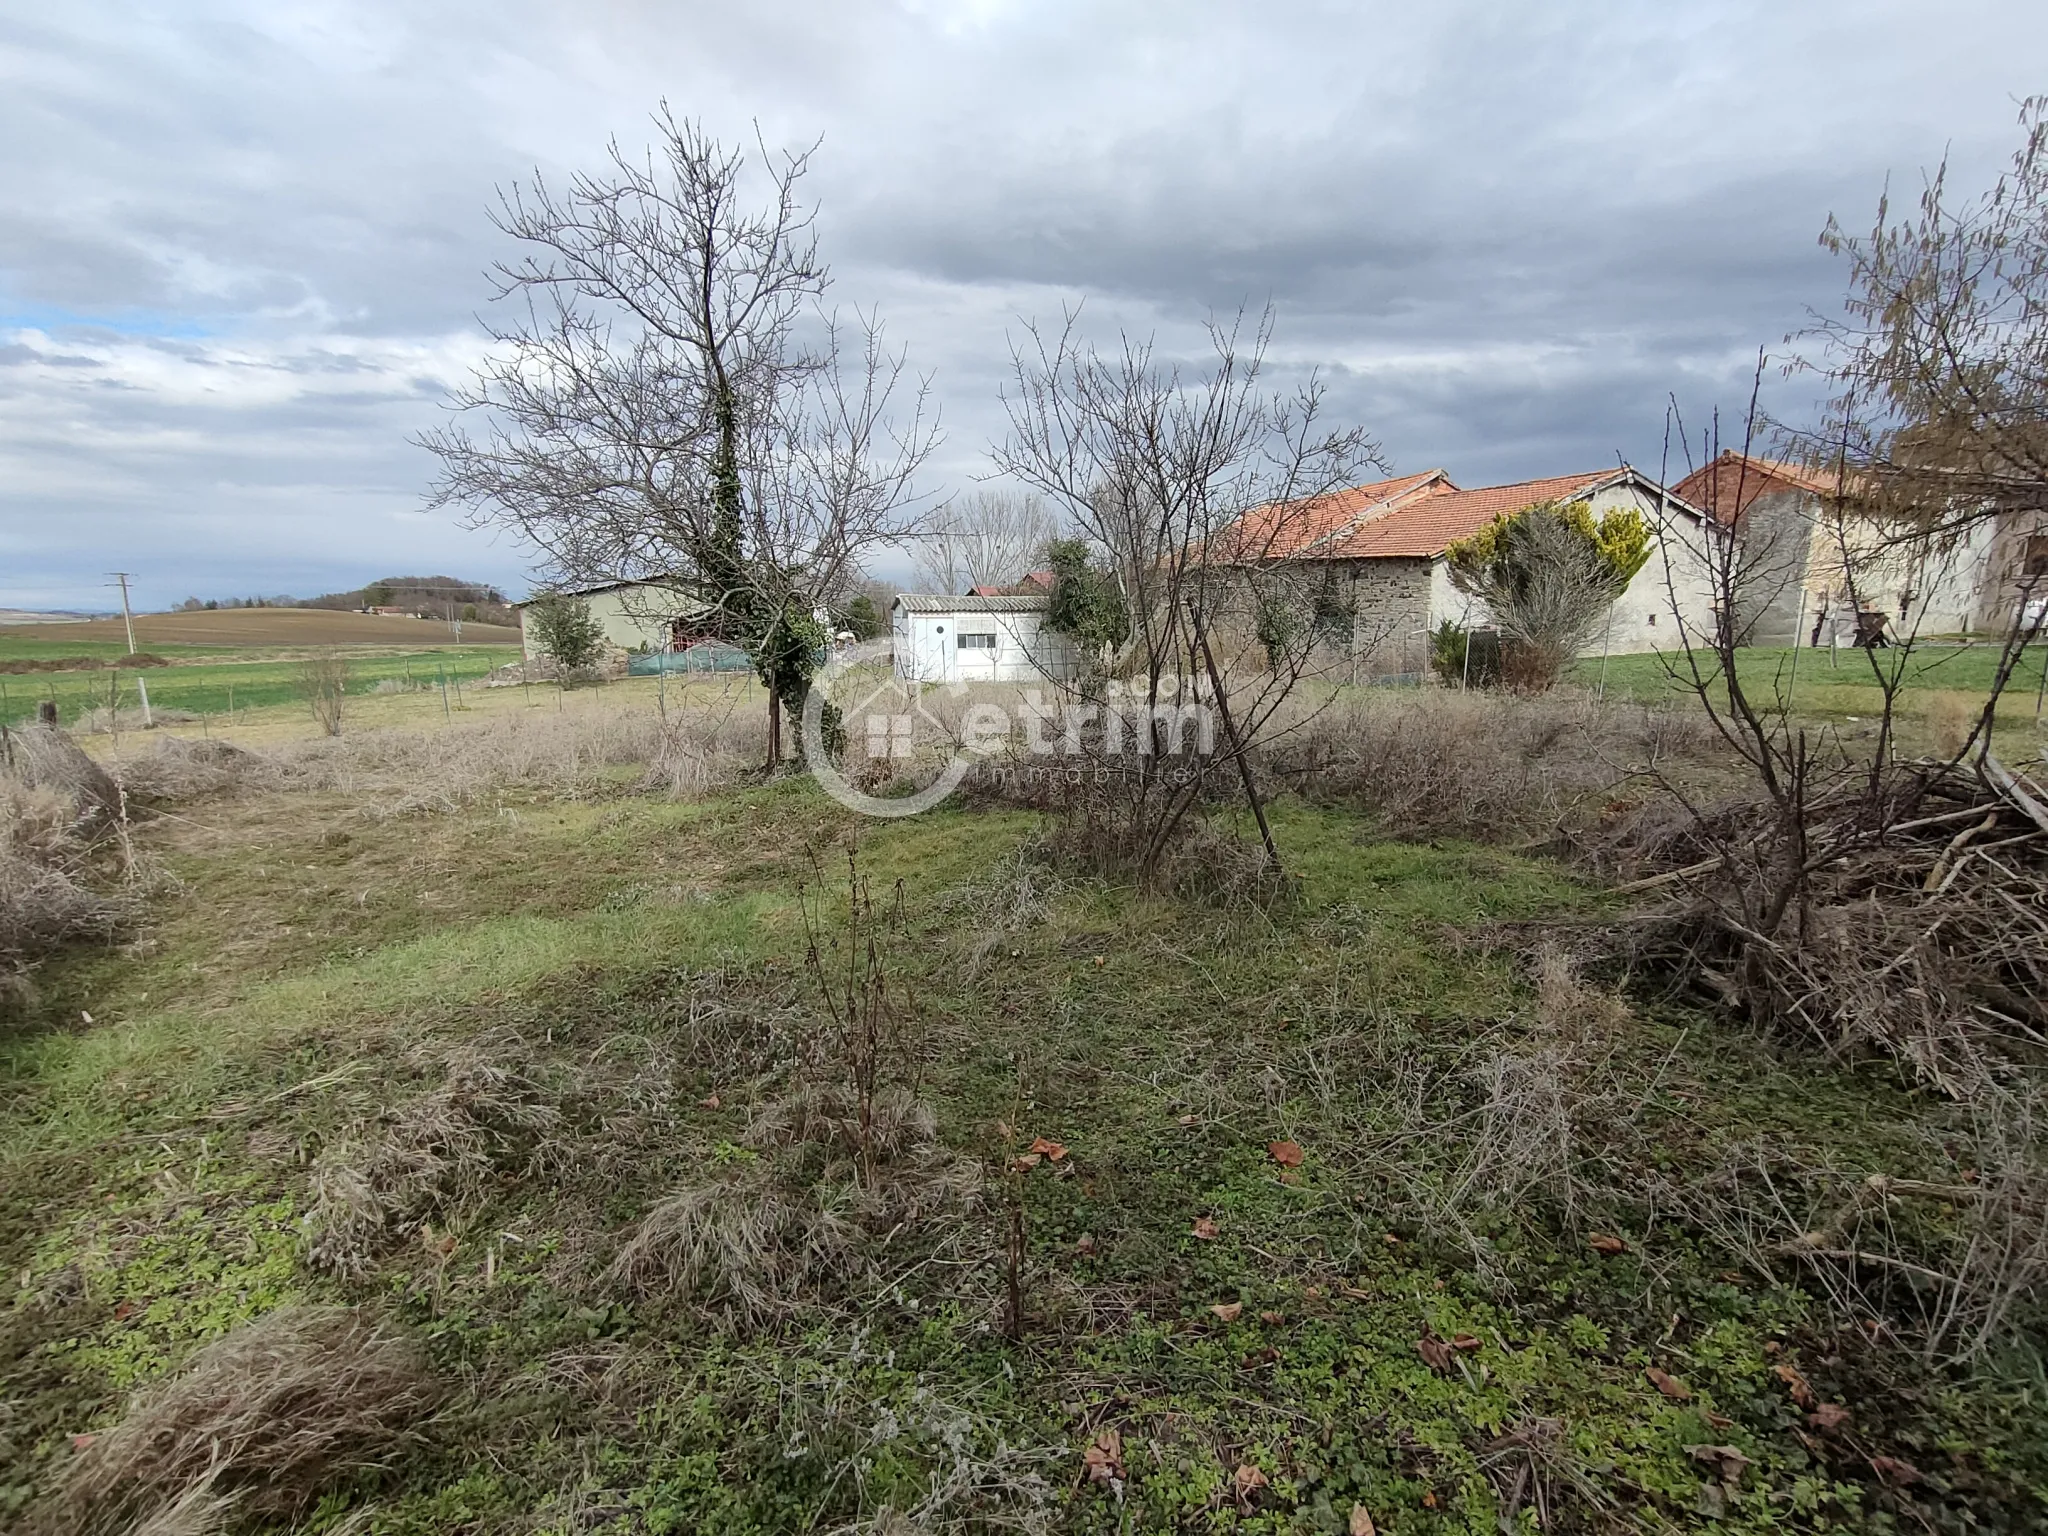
{"points": [[242, 241]]}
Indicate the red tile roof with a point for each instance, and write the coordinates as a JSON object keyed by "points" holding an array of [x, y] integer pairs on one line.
{"points": [[1728, 485], [1030, 583], [1421, 528], [1285, 529]]}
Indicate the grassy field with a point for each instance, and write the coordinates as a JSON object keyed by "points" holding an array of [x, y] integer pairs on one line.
{"points": [[244, 627], [232, 684], [1350, 1202], [1835, 685]]}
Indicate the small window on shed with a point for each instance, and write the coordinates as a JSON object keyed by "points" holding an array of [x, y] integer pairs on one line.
{"points": [[977, 641]]}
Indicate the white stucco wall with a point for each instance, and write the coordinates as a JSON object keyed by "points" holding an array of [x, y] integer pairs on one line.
{"points": [[1646, 616], [928, 649]]}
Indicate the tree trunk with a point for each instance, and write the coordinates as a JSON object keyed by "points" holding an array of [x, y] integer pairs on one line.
{"points": [[774, 729]]}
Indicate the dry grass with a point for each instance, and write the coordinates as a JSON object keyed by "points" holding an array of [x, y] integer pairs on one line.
{"points": [[569, 754], [742, 1244], [812, 1208], [66, 873], [1441, 762], [252, 1428], [423, 1158]]}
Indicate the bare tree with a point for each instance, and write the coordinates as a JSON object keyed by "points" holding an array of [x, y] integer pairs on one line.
{"points": [[1938, 370], [989, 538], [1185, 487], [667, 404]]}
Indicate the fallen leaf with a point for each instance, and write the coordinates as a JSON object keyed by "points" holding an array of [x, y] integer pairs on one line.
{"points": [[1004, 1132], [1248, 1480], [1669, 1385], [1101, 960], [1312, 1292], [1024, 1162], [1205, 1228], [1271, 1319], [1890, 1469], [1718, 1420], [1086, 1244], [80, 1442], [1051, 1150], [1190, 1121], [122, 1312], [1354, 1293], [1802, 1393], [1429, 1498], [1606, 1244], [1465, 1343], [1828, 1417], [710, 1103], [1390, 1240], [1104, 1458], [1728, 1462], [1360, 1523], [1436, 1354], [1259, 1357], [1229, 1311], [1286, 1153]]}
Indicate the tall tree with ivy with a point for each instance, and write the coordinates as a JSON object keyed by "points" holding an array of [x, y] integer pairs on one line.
{"points": [[668, 403]]}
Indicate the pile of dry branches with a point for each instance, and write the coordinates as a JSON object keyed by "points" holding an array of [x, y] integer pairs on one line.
{"points": [[1906, 913]]}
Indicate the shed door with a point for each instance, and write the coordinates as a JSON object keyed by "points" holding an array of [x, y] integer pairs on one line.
{"points": [[931, 648]]}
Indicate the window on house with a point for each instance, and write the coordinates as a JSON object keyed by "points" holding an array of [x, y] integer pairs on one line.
{"points": [[977, 642]]}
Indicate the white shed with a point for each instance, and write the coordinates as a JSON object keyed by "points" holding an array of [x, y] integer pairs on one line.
{"points": [[942, 639]]}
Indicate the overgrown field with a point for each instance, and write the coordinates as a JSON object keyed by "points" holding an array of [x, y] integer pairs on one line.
{"points": [[579, 1148]]}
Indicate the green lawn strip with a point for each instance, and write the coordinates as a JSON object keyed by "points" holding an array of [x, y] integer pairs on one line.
{"points": [[209, 686], [1826, 682]]}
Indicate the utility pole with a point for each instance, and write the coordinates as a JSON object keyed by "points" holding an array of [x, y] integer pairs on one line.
{"points": [[127, 617]]}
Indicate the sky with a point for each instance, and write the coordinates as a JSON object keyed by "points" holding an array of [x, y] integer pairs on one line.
{"points": [[243, 242]]}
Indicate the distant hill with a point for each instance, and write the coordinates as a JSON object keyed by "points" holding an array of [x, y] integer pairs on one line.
{"points": [[279, 627], [440, 596], [38, 616]]}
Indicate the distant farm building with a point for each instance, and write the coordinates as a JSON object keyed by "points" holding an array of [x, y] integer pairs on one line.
{"points": [[635, 615]]}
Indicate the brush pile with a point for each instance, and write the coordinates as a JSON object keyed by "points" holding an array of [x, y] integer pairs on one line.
{"points": [[1906, 914]]}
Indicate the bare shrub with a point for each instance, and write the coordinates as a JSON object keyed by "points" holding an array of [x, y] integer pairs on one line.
{"points": [[830, 1114], [324, 682], [252, 1428], [428, 1154]]}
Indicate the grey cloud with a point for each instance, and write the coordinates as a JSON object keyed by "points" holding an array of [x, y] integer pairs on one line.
{"points": [[1505, 233]]}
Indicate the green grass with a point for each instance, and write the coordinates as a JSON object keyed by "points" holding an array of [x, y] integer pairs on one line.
{"points": [[1827, 682], [156, 1165], [206, 682]]}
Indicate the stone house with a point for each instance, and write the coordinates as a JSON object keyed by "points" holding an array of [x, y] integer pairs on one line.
{"points": [[1801, 544], [1384, 546]]}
